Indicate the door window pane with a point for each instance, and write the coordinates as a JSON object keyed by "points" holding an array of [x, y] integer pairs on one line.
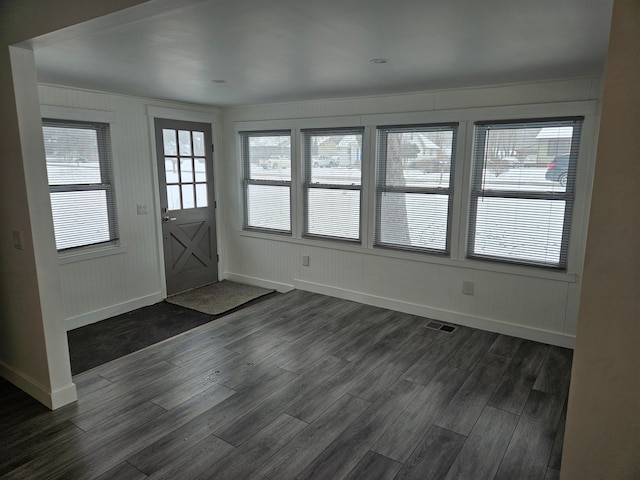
{"points": [[186, 170], [173, 197], [201, 170], [188, 199], [201, 195], [171, 170], [169, 142], [198, 144], [184, 139]]}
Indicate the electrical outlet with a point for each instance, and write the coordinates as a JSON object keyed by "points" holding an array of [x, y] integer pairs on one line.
{"points": [[305, 260], [467, 287], [142, 209]]}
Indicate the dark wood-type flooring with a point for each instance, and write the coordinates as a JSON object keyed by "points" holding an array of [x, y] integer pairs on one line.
{"points": [[303, 386], [101, 342]]}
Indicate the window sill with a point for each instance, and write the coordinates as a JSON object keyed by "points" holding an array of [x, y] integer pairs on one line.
{"points": [[90, 254]]}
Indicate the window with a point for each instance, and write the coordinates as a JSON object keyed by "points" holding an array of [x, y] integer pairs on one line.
{"points": [[414, 187], [79, 167], [333, 183], [185, 167], [522, 191], [267, 180]]}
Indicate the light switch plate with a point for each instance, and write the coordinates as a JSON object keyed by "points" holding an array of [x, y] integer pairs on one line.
{"points": [[17, 240]]}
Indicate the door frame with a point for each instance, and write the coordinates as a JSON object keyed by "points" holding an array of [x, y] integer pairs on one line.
{"points": [[154, 112]]}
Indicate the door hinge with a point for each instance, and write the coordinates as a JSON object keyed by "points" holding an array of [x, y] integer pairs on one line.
{"points": [[218, 258], [213, 148]]}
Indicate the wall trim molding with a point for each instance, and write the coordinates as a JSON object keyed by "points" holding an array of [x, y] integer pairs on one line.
{"points": [[521, 331], [259, 282], [50, 399], [112, 310]]}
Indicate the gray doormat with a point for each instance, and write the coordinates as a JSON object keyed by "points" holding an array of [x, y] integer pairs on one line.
{"points": [[218, 298]]}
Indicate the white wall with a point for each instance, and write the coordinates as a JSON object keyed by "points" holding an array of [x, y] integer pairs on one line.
{"points": [[98, 288], [513, 300], [33, 344]]}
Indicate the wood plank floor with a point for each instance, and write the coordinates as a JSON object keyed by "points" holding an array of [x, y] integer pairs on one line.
{"points": [[304, 386]]}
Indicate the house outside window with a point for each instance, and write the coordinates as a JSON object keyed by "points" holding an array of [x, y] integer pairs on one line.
{"points": [[523, 189], [414, 191], [333, 183], [267, 181], [80, 172]]}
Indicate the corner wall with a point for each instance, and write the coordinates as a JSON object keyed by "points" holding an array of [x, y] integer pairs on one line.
{"points": [[97, 288], [602, 438]]}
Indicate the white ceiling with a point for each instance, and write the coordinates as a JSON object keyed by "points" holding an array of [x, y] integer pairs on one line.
{"points": [[287, 50]]}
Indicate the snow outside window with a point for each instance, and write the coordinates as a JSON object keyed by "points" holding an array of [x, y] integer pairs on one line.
{"points": [[267, 181], [523, 191], [79, 167], [414, 190], [333, 183]]}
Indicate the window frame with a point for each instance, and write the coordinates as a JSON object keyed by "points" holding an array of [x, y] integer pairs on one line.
{"points": [[247, 180], [476, 191], [381, 187], [466, 118], [107, 177], [308, 185]]}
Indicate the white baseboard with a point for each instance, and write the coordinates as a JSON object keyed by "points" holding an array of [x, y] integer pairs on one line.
{"points": [[521, 331], [50, 399], [112, 310], [258, 282]]}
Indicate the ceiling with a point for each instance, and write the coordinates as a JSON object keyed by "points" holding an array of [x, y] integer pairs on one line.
{"points": [[289, 50]]}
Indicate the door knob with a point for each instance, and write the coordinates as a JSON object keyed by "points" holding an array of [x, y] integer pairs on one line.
{"points": [[168, 219]]}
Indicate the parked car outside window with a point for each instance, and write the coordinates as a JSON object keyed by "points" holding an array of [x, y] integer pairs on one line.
{"points": [[275, 162], [322, 161], [558, 169]]}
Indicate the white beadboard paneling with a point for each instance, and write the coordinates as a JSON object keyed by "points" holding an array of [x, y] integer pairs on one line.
{"points": [[510, 301], [413, 282], [96, 288], [337, 268], [67, 97], [270, 260]]}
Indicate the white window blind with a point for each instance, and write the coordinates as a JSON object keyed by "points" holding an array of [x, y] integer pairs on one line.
{"points": [[80, 171], [414, 190], [333, 183], [267, 180], [523, 190]]}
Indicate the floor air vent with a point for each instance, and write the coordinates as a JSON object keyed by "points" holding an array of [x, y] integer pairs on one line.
{"points": [[441, 326]]}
